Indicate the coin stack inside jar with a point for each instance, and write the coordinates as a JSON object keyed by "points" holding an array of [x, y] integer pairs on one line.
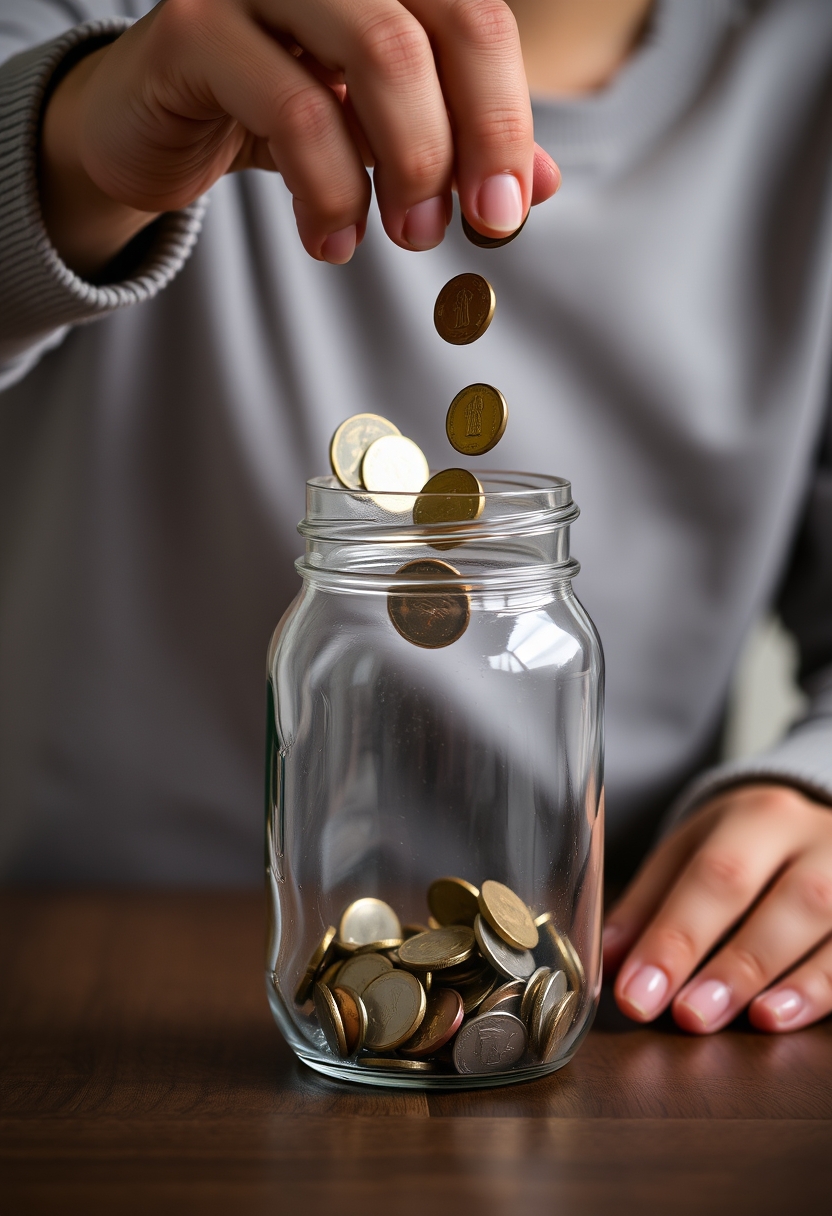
{"points": [[485, 987]]}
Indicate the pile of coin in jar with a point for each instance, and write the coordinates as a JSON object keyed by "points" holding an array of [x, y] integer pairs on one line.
{"points": [[465, 993]]}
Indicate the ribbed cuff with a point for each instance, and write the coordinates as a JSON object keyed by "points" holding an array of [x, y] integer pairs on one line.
{"points": [[39, 292]]}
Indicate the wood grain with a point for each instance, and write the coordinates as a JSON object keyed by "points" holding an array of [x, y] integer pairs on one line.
{"points": [[140, 1071]]}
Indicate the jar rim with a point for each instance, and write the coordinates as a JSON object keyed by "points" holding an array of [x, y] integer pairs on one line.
{"points": [[496, 484]]}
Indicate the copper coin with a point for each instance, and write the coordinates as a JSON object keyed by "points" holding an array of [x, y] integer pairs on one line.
{"points": [[443, 1017], [464, 308], [353, 1018], [430, 617]]}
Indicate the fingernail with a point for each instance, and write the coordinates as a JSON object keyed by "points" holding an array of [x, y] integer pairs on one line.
{"points": [[646, 990], [784, 1006], [424, 224], [339, 247], [707, 1001], [500, 203]]}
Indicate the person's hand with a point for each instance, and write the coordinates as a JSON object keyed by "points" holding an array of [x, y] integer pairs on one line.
{"points": [[432, 93], [751, 874]]}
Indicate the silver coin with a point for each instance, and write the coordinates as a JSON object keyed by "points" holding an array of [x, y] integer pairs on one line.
{"points": [[368, 920], [550, 993], [513, 964], [505, 999], [492, 1042], [360, 970]]}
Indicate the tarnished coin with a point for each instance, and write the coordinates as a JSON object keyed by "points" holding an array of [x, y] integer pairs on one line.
{"points": [[566, 954], [508, 915], [368, 920], [490, 242], [353, 1017], [451, 497], [350, 442], [437, 949], [360, 970], [476, 419], [555, 1027], [429, 618], [394, 1064], [464, 308], [329, 1020], [474, 993], [394, 464], [549, 995], [493, 1042], [395, 1004], [443, 1017], [387, 943], [505, 999], [513, 964], [317, 960], [534, 982], [453, 901]]}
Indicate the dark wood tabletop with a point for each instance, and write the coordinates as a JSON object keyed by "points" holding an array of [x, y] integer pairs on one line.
{"points": [[141, 1072]]}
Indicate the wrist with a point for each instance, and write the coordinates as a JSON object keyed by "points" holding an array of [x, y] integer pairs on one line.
{"points": [[87, 227]]}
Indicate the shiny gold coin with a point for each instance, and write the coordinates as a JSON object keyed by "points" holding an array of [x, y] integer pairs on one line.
{"points": [[490, 242], [566, 954], [316, 961], [429, 618], [353, 1018], [360, 970], [508, 915], [453, 901], [368, 920], [443, 1018], [530, 992], [476, 419], [395, 1005], [350, 442], [450, 497], [437, 949], [329, 1020], [387, 943], [394, 464], [505, 999], [556, 1026], [394, 1064], [464, 308]]}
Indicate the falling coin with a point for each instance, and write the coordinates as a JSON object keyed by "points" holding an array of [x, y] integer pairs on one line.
{"points": [[350, 442], [368, 920], [329, 1020], [353, 1018], [490, 242], [493, 1042], [360, 970], [508, 915], [451, 497], [505, 999], [513, 964], [476, 419], [443, 1017], [438, 948], [429, 618], [453, 901], [464, 308], [395, 1004], [394, 464], [318, 960]]}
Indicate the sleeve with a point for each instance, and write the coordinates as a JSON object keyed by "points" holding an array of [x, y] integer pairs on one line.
{"points": [[803, 758], [40, 296]]}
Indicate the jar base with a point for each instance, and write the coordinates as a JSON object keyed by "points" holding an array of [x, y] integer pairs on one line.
{"points": [[357, 1075]]}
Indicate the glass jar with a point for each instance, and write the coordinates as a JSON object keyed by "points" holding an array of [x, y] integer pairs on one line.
{"points": [[444, 719]]}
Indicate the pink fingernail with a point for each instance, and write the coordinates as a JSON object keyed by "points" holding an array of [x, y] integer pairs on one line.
{"points": [[425, 223], [646, 990], [339, 247], [500, 203], [708, 1001], [784, 1006]]}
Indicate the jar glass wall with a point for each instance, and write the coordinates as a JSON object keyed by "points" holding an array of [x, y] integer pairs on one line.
{"points": [[444, 720]]}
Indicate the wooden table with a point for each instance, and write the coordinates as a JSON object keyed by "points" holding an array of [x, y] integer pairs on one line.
{"points": [[140, 1072]]}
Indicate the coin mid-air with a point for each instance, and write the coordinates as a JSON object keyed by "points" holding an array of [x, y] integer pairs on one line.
{"points": [[430, 617], [464, 308], [476, 419], [450, 497], [350, 442]]}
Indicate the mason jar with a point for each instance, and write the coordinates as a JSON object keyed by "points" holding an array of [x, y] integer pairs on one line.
{"points": [[434, 790]]}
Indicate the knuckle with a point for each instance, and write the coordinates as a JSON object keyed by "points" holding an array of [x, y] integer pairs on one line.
{"points": [[814, 890], [487, 23], [394, 44], [422, 167], [723, 873], [746, 963], [506, 126], [678, 942], [305, 114]]}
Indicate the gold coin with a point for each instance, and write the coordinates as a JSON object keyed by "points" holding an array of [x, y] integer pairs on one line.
{"points": [[476, 419], [567, 956], [550, 992], [329, 1020], [429, 618], [555, 1028], [474, 993], [387, 943], [353, 1018], [317, 960], [490, 242], [451, 497], [530, 992], [368, 920], [401, 1065], [395, 1004], [360, 970], [327, 976], [464, 308], [453, 901], [508, 915], [437, 949], [443, 1018], [394, 464], [350, 442]]}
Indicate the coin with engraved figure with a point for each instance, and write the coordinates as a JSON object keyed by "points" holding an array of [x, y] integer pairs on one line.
{"points": [[513, 964], [429, 617], [368, 920], [508, 915], [492, 1042], [395, 1004], [353, 1017], [350, 442], [443, 1018], [453, 901], [329, 1020], [464, 308], [476, 419], [490, 242], [437, 949], [453, 496]]}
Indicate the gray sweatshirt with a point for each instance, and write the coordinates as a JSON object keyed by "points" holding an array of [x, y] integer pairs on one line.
{"points": [[663, 336]]}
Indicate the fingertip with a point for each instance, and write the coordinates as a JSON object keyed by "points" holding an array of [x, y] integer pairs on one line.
{"points": [[546, 180], [339, 246]]}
